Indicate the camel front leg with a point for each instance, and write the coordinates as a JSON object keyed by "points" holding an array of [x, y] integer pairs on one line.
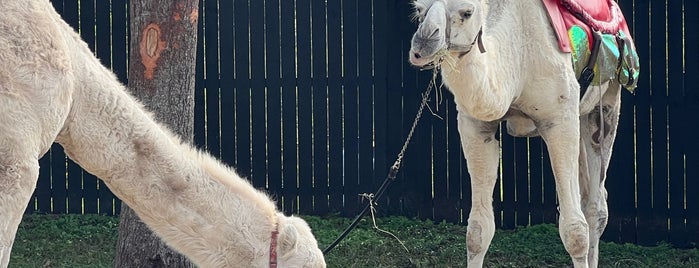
{"points": [[562, 136], [19, 170], [481, 150], [25, 135], [595, 153]]}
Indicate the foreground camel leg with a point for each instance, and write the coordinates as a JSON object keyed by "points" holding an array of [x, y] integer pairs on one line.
{"points": [[481, 150], [20, 148], [592, 179], [18, 175]]}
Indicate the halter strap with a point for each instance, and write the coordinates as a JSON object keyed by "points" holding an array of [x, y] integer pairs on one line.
{"points": [[273, 248]]}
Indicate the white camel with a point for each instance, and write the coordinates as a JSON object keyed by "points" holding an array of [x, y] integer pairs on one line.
{"points": [[52, 88], [504, 64]]}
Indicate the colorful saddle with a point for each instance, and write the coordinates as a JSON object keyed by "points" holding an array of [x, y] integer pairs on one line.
{"points": [[596, 34]]}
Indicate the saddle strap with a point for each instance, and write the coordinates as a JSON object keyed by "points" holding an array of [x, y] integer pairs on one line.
{"points": [[588, 72]]}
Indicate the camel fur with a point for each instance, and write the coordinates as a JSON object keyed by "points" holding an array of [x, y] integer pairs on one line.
{"points": [[521, 77], [52, 88]]}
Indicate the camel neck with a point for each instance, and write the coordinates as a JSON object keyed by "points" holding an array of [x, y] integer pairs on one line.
{"points": [[184, 195]]}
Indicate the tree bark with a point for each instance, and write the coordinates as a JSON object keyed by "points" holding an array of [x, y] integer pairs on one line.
{"points": [[162, 67]]}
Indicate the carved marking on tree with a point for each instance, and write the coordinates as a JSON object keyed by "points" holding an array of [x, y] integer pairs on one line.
{"points": [[150, 48], [194, 16]]}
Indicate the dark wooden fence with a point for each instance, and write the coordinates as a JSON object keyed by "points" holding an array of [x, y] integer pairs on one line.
{"points": [[311, 100]]}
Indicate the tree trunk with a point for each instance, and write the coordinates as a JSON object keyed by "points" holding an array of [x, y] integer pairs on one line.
{"points": [[162, 75]]}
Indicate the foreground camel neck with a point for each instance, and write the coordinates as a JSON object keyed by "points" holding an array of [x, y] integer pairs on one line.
{"points": [[52, 88], [177, 191]]}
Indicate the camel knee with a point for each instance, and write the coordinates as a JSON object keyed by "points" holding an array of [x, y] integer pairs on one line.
{"points": [[598, 221], [575, 237], [18, 173], [479, 234], [17, 182], [597, 213]]}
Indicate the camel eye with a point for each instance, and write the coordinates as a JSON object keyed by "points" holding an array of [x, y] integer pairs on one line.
{"points": [[466, 13], [419, 14]]}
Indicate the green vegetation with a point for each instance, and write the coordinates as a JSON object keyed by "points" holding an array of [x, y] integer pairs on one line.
{"points": [[89, 241]]}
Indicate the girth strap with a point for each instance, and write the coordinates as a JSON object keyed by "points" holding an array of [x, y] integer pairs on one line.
{"points": [[588, 73]]}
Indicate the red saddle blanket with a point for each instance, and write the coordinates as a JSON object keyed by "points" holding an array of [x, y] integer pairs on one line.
{"points": [[600, 15]]}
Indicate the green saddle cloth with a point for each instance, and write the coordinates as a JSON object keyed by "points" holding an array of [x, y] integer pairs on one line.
{"points": [[613, 61]]}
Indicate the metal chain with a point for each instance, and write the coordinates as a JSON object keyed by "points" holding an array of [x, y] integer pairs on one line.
{"points": [[393, 171], [425, 99]]}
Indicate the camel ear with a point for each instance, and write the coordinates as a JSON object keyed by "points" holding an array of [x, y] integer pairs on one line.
{"points": [[288, 239]]}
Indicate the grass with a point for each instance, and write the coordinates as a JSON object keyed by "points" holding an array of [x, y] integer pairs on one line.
{"points": [[89, 241]]}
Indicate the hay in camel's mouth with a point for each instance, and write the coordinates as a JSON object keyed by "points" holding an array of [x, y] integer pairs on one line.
{"points": [[440, 57]]}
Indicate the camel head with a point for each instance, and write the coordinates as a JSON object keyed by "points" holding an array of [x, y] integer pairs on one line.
{"points": [[454, 25], [297, 247]]}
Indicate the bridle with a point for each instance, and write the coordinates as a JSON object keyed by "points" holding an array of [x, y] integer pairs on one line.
{"points": [[273, 248], [462, 49]]}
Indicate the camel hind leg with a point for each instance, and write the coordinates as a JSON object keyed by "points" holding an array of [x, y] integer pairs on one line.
{"points": [[595, 152]]}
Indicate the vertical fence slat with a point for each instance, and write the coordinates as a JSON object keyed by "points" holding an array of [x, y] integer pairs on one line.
{"points": [[550, 197], [394, 134], [236, 148], [536, 200], [319, 88], [273, 105], [676, 121], [381, 44], [237, 136], [199, 85], [290, 149], [232, 76], [41, 200], [305, 106], [335, 145], [58, 180], [692, 150], [658, 102], [523, 176], [257, 104], [350, 112], [211, 79], [367, 181], [444, 205], [507, 181], [120, 39], [643, 130]]}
